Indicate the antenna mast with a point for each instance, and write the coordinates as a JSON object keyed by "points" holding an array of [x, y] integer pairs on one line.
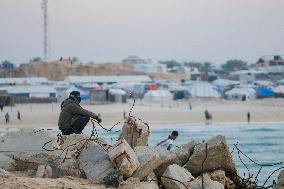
{"points": [[46, 40]]}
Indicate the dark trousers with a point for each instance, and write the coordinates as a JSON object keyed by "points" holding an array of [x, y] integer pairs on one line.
{"points": [[77, 126]]}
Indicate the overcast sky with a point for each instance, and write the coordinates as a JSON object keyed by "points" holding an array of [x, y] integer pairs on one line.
{"points": [[110, 30]]}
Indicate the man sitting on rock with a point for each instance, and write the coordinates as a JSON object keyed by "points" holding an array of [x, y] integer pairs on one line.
{"points": [[73, 118], [167, 143]]}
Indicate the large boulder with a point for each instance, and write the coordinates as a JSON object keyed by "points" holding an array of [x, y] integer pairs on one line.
{"points": [[148, 163], [135, 132], [218, 157], [26, 141], [166, 157], [280, 181], [134, 183], [176, 177], [185, 151], [124, 158], [207, 183], [95, 163]]}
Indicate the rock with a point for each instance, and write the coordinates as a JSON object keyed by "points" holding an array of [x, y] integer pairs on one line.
{"points": [[135, 132], [185, 151], [5, 174], [148, 162], [113, 178], [134, 183], [218, 157], [208, 183], [177, 173], [124, 158], [166, 157], [95, 163], [25, 141], [44, 171], [280, 181], [7, 163], [219, 176]]}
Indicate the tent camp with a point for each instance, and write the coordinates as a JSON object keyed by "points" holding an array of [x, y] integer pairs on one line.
{"points": [[279, 91], [117, 95], [158, 96], [240, 94], [264, 92], [203, 89]]}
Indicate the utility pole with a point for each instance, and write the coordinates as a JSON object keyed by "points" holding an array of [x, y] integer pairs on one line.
{"points": [[46, 40]]}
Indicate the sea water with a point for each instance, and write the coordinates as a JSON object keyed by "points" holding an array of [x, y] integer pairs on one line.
{"points": [[263, 143]]}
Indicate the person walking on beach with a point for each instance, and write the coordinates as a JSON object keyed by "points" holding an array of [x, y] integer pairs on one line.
{"points": [[167, 143], [207, 115], [19, 115], [73, 118], [248, 117], [1, 106], [7, 118]]}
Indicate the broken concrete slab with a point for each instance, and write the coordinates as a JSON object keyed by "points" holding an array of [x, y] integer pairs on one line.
{"points": [[176, 177], [166, 157], [135, 132], [124, 158], [207, 183], [95, 163], [218, 157], [25, 141], [185, 151], [148, 163], [5, 174], [280, 181]]}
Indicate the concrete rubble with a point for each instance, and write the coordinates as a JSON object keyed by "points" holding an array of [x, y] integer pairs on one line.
{"points": [[97, 164], [124, 158], [218, 156], [176, 177], [135, 132]]}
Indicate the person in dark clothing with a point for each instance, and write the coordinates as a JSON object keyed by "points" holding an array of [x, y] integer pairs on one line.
{"points": [[73, 118], [1, 106], [19, 115], [207, 115], [248, 117], [7, 118]]}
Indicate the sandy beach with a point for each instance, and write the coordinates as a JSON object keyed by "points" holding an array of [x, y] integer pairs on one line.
{"points": [[46, 115]]}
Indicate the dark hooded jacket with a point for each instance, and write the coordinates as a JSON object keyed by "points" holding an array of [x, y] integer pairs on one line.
{"points": [[70, 111]]}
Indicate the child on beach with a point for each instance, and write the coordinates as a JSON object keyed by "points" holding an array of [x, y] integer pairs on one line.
{"points": [[167, 143]]}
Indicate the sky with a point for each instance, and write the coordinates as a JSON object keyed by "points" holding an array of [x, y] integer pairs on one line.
{"points": [[110, 30]]}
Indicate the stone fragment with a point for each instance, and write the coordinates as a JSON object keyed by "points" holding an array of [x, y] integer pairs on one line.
{"points": [[176, 177], [280, 181], [124, 158]]}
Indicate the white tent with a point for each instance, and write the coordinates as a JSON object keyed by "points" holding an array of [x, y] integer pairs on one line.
{"points": [[225, 82], [240, 93], [118, 92], [203, 89], [279, 89], [158, 96]]}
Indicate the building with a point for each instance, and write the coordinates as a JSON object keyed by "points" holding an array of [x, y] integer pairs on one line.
{"points": [[108, 79], [23, 81], [28, 94], [135, 60], [271, 64], [151, 68]]}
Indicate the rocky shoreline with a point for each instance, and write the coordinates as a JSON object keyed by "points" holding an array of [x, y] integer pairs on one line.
{"points": [[30, 159]]}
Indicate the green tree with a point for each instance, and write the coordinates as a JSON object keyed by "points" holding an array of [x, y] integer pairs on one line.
{"points": [[170, 63], [234, 64]]}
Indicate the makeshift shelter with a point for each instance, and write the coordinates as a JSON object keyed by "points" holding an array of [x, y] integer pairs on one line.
{"points": [[240, 94], [203, 89], [264, 92], [117, 95], [180, 92], [279, 91], [158, 96]]}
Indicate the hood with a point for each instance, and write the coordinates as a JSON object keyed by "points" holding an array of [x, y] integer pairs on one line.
{"points": [[69, 101]]}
